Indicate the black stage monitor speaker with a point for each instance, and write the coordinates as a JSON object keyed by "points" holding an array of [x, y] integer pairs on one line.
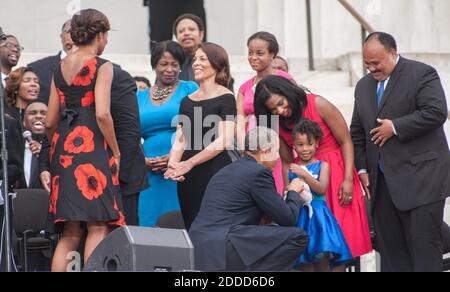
{"points": [[143, 249]]}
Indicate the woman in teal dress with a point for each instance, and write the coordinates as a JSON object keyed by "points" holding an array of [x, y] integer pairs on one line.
{"points": [[158, 108]]}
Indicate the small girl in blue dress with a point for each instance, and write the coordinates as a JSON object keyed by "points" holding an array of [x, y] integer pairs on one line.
{"points": [[327, 246]]}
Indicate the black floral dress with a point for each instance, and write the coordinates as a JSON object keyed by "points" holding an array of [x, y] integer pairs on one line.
{"points": [[85, 183]]}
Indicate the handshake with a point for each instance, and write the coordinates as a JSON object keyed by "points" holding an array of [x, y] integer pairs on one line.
{"points": [[299, 186], [304, 191]]}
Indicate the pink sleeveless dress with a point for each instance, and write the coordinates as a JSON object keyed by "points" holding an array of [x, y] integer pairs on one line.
{"points": [[248, 91], [353, 218]]}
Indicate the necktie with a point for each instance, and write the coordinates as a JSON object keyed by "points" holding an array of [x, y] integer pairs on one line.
{"points": [[380, 92], [28, 157]]}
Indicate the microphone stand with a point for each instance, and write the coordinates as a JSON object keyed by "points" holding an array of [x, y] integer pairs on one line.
{"points": [[5, 185]]}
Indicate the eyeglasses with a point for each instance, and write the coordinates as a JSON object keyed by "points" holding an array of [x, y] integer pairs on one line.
{"points": [[10, 46]]}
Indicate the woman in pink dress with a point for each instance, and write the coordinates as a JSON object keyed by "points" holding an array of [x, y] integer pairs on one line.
{"points": [[276, 96], [262, 49]]}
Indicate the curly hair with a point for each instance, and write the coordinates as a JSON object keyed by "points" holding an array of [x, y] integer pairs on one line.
{"points": [[309, 128], [13, 84], [86, 25]]}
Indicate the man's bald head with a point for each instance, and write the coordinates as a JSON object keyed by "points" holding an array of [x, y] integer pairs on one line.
{"points": [[380, 55], [66, 40]]}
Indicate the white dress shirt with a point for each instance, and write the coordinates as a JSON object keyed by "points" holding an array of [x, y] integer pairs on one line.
{"points": [[385, 86], [28, 156], [4, 76], [362, 171]]}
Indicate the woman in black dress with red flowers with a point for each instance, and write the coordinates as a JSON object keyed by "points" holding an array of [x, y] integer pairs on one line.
{"points": [[84, 156]]}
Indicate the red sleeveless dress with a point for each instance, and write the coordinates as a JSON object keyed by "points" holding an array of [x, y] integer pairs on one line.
{"points": [[353, 218], [85, 180]]}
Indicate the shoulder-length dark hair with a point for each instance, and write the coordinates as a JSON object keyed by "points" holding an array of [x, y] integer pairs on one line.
{"points": [[170, 47], [218, 58], [13, 84], [273, 84]]}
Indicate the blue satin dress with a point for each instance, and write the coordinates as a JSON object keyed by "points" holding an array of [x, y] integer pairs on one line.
{"points": [[325, 234], [158, 127]]}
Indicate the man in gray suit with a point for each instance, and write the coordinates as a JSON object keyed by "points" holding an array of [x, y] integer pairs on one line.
{"points": [[226, 233], [397, 130]]}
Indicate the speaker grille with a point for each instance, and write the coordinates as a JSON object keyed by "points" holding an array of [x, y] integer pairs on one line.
{"points": [[133, 248]]}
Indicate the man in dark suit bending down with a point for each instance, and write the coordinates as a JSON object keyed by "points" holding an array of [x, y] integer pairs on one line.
{"points": [[34, 122], [226, 233], [397, 130]]}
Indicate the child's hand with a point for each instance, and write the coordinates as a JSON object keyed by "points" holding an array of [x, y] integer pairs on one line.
{"points": [[298, 170], [306, 196], [296, 185]]}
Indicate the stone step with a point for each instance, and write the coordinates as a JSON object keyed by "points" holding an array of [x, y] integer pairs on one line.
{"points": [[296, 64], [333, 85], [341, 97], [241, 70], [324, 78]]}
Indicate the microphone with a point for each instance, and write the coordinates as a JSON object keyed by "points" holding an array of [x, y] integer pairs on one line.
{"points": [[27, 136], [2, 35]]}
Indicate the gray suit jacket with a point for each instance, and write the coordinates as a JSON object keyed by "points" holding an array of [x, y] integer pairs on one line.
{"points": [[416, 161], [235, 200]]}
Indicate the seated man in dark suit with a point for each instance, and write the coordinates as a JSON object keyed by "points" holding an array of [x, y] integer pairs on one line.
{"points": [[34, 122], [125, 114], [44, 68], [226, 233]]}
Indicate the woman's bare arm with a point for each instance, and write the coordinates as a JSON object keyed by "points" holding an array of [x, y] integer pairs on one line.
{"points": [[53, 113], [103, 106]]}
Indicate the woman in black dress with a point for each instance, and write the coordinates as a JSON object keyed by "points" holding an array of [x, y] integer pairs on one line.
{"points": [[84, 156], [206, 131]]}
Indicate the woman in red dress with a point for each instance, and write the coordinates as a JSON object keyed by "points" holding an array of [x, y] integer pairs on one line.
{"points": [[84, 156], [277, 96]]}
